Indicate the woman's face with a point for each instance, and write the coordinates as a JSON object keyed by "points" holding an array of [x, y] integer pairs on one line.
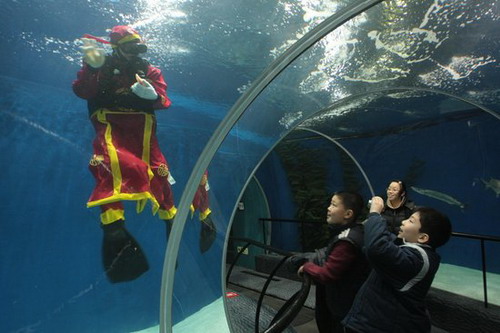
{"points": [[394, 191]]}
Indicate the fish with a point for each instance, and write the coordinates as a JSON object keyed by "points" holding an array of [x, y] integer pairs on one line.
{"points": [[439, 196], [493, 184]]}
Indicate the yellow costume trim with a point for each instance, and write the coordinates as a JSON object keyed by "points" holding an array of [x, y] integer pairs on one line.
{"points": [[167, 214], [191, 208], [162, 170], [205, 214], [146, 143], [127, 39], [115, 166], [113, 154], [96, 160], [140, 205], [204, 180], [112, 215], [126, 196]]}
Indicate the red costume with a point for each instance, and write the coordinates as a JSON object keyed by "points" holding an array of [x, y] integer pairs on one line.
{"points": [[200, 200], [127, 163], [122, 92]]}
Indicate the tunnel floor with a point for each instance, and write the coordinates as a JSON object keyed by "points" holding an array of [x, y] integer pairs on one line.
{"points": [[247, 283]]}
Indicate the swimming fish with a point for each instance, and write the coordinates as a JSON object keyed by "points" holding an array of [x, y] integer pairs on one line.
{"points": [[493, 184], [439, 196]]}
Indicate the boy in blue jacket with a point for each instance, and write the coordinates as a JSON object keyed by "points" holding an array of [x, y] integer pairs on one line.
{"points": [[392, 298]]}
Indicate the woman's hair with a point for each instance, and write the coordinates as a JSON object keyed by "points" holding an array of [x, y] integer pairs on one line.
{"points": [[434, 224], [352, 201]]}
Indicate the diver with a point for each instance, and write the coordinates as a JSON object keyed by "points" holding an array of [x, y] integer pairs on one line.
{"points": [[123, 91], [202, 204]]}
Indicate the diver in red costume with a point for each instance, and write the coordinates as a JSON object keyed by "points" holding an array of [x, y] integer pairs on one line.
{"points": [[123, 91], [201, 203]]}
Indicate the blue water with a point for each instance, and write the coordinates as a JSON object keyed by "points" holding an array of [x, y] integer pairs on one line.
{"points": [[411, 91]]}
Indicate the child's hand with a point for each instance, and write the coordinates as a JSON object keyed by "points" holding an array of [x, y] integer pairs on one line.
{"points": [[300, 271], [377, 205]]}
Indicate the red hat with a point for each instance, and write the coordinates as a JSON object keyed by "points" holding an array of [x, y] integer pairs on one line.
{"points": [[121, 34]]}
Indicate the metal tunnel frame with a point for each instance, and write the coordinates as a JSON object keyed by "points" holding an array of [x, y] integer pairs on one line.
{"points": [[303, 44], [234, 114]]}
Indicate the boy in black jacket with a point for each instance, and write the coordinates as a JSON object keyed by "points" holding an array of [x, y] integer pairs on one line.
{"points": [[340, 269], [392, 298]]}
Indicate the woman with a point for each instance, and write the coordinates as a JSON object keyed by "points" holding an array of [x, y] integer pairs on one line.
{"points": [[397, 206]]}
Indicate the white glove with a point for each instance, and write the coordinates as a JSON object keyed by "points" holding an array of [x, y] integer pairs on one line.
{"points": [[92, 53], [170, 179], [143, 89]]}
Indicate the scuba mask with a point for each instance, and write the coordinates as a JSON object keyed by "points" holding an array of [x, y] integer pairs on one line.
{"points": [[134, 48]]}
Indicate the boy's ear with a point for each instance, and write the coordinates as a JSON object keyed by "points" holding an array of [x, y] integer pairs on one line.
{"points": [[348, 214], [423, 238]]}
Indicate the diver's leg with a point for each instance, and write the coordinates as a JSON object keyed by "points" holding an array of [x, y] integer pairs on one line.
{"points": [[168, 227], [207, 233], [201, 203], [122, 256], [162, 191]]}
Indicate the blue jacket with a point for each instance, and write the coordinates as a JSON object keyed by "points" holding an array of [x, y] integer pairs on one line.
{"points": [[392, 298]]}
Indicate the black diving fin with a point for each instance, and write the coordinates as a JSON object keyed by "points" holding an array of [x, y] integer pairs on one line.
{"points": [[122, 256], [207, 234]]}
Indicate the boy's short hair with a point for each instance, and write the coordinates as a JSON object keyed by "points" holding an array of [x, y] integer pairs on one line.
{"points": [[434, 224], [352, 201]]}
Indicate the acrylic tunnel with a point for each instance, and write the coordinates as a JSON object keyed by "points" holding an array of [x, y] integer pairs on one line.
{"points": [[282, 103]]}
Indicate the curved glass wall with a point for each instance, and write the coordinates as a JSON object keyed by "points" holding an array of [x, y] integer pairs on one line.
{"points": [[405, 88], [394, 81]]}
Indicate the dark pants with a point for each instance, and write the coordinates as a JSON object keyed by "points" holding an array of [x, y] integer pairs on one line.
{"points": [[325, 320]]}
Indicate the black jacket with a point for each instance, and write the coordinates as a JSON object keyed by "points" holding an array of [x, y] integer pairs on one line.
{"points": [[394, 216], [339, 295]]}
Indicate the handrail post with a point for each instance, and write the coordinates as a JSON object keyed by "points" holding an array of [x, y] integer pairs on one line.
{"points": [[302, 237], [485, 286], [264, 232], [235, 260]]}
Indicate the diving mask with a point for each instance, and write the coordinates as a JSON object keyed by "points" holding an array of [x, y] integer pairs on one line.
{"points": [[133, 48]]}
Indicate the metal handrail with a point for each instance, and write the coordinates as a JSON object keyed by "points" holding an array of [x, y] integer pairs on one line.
{"points": [[263, 292], [481, 238], [476, 236], [290, 309], [249, 242], [301, 222]]}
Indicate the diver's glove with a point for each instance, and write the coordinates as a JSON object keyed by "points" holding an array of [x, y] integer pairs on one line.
{"points": [[143, 89], [92, 53]]}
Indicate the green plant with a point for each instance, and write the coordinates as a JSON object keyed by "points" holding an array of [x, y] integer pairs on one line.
{"points": [[307, 172]]}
